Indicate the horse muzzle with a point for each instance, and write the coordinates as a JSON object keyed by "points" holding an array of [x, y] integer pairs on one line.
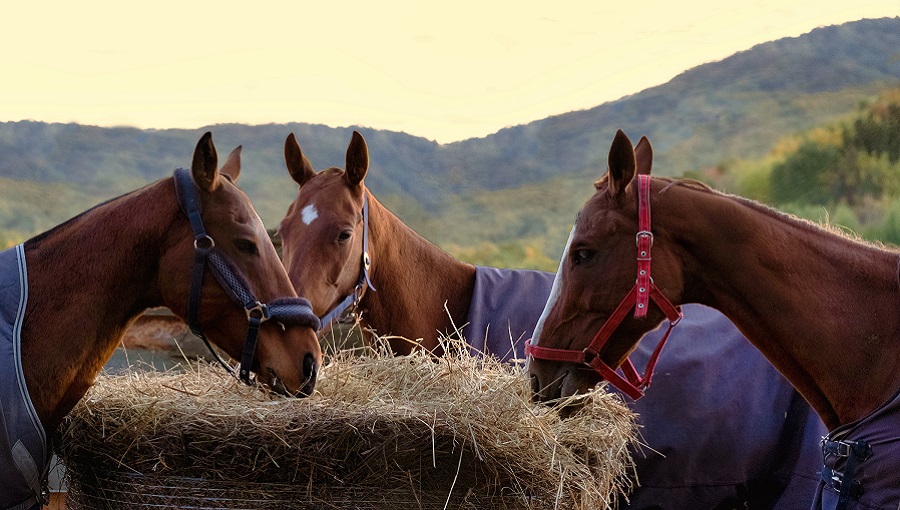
{"points": [[554, 383], [309, 374]]}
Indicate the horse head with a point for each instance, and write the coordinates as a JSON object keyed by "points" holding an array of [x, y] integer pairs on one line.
{"points": [[288, 355], [596, 273], [324, 230]]}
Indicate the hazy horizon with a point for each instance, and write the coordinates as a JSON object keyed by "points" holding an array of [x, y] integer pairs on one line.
{"points": [[444, 73]]}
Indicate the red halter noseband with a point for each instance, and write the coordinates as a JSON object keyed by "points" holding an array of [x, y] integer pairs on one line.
{"points": [[644, 290]]}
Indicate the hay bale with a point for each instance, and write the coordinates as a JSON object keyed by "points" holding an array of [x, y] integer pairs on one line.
{"points": [[380, 432]]}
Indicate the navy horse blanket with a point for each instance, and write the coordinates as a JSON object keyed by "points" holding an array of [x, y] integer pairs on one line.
{"points": [[505, 307], [721, 428], [24, 456], [861, 463]]}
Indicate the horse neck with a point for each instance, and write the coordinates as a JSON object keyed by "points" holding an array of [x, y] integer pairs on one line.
{"points": [[821, 307], [87, 280], [414, 279]]}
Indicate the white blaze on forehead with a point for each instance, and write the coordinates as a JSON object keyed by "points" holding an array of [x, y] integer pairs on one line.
{"points": [[554, 292], [309, 214]]}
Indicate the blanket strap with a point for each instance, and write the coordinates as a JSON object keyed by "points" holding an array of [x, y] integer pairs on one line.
{"points": [[845, 483]]}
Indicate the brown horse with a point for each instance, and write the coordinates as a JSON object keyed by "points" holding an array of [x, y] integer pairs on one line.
{"points": [[772, 458], [80, 285], [322, 248], [821, 307]]}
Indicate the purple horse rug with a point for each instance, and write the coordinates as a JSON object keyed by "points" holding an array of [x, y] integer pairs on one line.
{"points": [[723, 428], [506, 305], [861, 463], [24, 456]]}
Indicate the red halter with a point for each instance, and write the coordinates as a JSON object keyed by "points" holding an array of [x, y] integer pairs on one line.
{"points": [[644, 290]]}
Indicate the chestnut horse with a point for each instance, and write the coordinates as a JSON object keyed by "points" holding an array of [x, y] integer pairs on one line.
{"points": [[344, 250], [710, 455], [69, 294], [820, 306]]}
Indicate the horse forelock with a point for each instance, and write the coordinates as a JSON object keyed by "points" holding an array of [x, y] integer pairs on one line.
{"points": [[305, 206], [328, 182]]}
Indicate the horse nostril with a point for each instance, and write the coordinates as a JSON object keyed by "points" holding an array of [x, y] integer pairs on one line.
{"points": [[310, 371], [535, 389], [558, 387]]}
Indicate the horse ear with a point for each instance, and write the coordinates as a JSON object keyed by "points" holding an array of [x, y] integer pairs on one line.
{"points": [[643, 156], [621, 163], [298, 166], [232, 166], [357, 159], [204, 164]]}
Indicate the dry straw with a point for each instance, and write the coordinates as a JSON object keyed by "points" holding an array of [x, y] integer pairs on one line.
{"points": [[380, 432]]}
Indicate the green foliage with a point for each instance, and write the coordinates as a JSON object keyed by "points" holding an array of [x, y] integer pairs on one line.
{"points": [[518, 255], [879, 131], [844, 218], [803, 176], [842, 174], [28, 208], [8, 239], [534, 216], [753, 180], [889, 231]]}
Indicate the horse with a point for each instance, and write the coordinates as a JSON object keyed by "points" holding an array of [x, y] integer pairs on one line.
{"points": [[344, 250], [819, 305], [191, 242]]}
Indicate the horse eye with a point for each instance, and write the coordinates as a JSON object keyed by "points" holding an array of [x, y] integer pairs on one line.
{"points": [[345, 235], [581, 256], [246, 246]]}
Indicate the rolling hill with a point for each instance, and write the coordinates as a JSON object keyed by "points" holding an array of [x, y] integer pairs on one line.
{"points": [[734, 108]]}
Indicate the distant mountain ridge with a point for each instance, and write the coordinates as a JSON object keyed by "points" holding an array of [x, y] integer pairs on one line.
{"points": [[715, 100], [734, 108]]}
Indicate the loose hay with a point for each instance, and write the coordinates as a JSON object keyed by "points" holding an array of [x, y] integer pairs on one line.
{"points": [[380, 432]]}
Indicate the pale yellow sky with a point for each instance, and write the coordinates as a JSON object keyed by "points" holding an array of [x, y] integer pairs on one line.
{"points": [[448, 72]]}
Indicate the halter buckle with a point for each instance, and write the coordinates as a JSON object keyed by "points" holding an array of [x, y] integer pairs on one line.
{"points": [[358, 294], [257, 311], [589, 355], [643, 233]]}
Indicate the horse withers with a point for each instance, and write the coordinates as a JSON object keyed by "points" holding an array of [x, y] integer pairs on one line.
{"points": [[818, 305], [192, 243], [701, 450]]}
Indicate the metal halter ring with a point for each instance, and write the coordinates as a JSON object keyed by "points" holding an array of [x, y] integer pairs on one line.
{"points": [[204, 242]]}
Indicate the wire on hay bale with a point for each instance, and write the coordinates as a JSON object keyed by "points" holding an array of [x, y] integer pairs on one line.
{"points": [[380, 432]]}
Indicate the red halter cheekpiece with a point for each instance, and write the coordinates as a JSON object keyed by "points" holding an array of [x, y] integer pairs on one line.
{"points": [[644, 290]]}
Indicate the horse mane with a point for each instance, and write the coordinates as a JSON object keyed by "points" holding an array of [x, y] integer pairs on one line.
{"points": [[690, 183], [35, 241], [801, 223]]}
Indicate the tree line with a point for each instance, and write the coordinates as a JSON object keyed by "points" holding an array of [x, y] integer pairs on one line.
{"points": [[846, 174]]}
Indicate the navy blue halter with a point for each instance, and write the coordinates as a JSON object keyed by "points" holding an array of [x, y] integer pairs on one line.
{"points": [[363, 281], [289, 310]]}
